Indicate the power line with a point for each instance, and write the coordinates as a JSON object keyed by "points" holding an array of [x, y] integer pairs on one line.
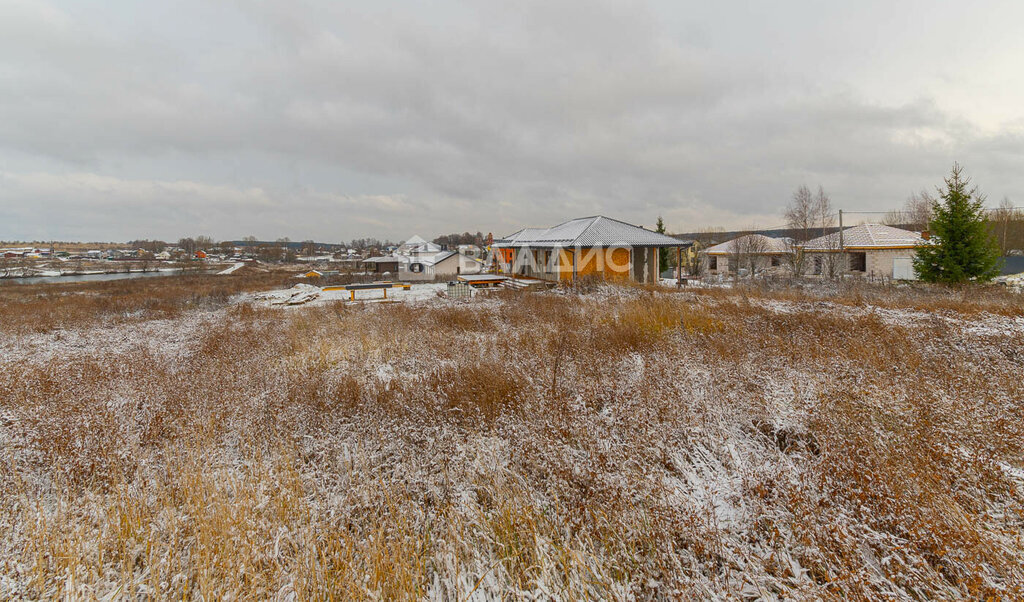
{"points": [[831, 216], [845, 212]]}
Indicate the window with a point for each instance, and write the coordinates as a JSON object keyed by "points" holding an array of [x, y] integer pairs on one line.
{"points": [[775, 261], [712, 262], [858, 262], [819, 262]]}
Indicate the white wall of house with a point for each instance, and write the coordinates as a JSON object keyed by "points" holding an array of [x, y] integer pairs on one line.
{"points": [[878, 263], [724, 263], [447, 267]]}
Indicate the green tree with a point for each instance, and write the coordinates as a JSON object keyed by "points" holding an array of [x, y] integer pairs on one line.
{"points": [[662, 255], [963, 247]]}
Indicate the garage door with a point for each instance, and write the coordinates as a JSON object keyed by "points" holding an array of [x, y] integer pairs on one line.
{"points": [[903, 269]]}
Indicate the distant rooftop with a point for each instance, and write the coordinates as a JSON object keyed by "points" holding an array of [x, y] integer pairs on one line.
{"points": [[751, 243], [867, 236], [595, 231]]}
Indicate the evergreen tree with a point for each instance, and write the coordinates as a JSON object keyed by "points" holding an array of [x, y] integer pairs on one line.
{"points": [[662, 255], [962, 246]]}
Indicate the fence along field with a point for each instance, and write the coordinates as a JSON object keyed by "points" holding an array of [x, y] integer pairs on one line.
{"points": [[171, 442]]}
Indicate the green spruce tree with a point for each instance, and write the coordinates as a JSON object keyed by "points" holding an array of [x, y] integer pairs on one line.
{"points": [[962, 248], [662, 255]]}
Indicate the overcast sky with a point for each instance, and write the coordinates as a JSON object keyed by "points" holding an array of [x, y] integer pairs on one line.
{"points": [[332, 120]]}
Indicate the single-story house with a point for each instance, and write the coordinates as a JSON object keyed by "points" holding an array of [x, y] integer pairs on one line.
{"points": [[754, 252], [872, 250], [420, 266], [443, 264], [387, 264], [587, 246]]}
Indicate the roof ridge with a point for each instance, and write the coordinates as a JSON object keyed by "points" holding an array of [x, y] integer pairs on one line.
{"points": [[612, 219], [593, 222]]}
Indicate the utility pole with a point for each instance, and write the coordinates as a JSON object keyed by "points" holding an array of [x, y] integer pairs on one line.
{"points": [[841, 247]]}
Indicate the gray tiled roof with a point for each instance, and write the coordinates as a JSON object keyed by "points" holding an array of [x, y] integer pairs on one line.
{"points": [[436, 259], [597, 231], [866, 236], [751, 243]]}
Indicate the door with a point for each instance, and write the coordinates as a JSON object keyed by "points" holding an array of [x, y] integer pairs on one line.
{"points": [[903, 269]]}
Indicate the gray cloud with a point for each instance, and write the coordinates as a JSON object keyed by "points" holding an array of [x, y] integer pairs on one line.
{"points": [[317, 119]]}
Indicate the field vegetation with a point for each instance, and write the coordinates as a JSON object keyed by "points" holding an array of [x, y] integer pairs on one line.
{"points": [[166, 438]]}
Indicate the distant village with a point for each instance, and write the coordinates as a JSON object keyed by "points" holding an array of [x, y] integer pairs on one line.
{"points": [[812, 245]]}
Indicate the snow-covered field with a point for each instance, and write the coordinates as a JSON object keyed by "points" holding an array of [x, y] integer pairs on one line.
{"points": [[308, 294], [619, 444]]}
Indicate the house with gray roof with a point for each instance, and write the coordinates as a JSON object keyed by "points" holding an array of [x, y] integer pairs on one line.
{"points": [[420, 261], [870, 250], [443, 264], [753, 252], [587, 246]]}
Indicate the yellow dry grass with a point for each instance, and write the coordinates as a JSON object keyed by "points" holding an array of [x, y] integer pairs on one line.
{"points": [[621, 444]]}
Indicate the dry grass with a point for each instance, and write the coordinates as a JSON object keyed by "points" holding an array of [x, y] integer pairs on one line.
{"points": [[966, 299], [46, 307], [619, 444]]}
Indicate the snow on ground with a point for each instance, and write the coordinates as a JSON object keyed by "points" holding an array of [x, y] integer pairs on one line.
{"points": [[695, 283], [307, 294], [231, 269], [981, 324], [697, 445], [1015, 282], [159, 339]]}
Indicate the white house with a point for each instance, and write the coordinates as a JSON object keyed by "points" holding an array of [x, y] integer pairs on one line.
{"points": [[754, 252], [871, 250]]}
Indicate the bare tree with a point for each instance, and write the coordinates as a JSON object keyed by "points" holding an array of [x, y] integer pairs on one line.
{"points": [[800, 214], [1004, 217], [747, 251], [915, 214], [823, 210], [187, 245], [807, 215], [919, 210], [834, 258]]}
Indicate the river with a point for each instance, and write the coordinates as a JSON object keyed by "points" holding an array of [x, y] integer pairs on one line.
{"points": [[89, 277]]}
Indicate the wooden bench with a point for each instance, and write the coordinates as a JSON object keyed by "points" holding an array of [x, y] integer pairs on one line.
{"points": [[383, 286]]}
